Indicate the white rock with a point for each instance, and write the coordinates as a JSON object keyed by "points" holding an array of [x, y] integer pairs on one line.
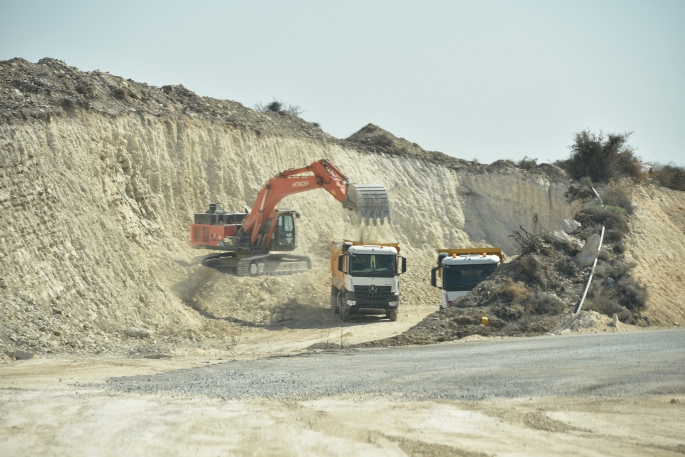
{"points": [[587, 256], [569, 225], [138, 332], [561, 237]]}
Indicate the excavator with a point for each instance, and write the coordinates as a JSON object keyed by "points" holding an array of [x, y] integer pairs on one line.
{"points": [[257, 242]]}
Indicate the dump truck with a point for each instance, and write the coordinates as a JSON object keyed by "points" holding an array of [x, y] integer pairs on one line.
{"points": [[258, 242], [364, 278], [460, 270]]}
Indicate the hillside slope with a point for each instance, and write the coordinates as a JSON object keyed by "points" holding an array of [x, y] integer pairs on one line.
{"points": [[100, 177], [657, 245]]}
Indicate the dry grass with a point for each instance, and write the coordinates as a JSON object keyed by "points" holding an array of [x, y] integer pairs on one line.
{"points": [[515, 290]]}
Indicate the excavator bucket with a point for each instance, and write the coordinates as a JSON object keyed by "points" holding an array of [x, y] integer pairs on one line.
{"points": [[370, 201]]}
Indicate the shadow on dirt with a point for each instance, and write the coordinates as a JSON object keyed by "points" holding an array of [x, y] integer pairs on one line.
{"points": [[294, 315]]}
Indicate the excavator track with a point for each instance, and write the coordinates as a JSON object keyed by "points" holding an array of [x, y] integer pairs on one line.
{"points": [[273, 264]]}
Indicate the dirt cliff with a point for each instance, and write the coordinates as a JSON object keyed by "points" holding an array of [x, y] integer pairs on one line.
{"points": [[100, 177]]}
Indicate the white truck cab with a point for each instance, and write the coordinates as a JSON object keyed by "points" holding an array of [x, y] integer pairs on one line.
{"points": [[365, 278], [461, 270]]}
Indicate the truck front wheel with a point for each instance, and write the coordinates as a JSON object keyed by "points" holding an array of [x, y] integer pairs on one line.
{"points": [[334, 300], [344, 308], [392, 315]]}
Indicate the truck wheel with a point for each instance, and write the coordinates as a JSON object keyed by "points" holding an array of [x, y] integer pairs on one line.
{"points": [[334, 300], [344, 308], [392, 315]]}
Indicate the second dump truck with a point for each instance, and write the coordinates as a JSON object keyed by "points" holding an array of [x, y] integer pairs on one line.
{"points": [[365, 278], [463, 269]]}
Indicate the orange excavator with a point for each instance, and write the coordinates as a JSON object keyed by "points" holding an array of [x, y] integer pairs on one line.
{"points": [[258, 242]]}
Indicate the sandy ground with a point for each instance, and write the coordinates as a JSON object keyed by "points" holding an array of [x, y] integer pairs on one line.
{"points": [[48, 409]]}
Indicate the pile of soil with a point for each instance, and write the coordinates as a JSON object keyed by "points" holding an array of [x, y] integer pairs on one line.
{"points": [[540, 289]]}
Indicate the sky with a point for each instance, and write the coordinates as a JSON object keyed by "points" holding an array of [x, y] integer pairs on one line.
{"points": [[483, 80]]}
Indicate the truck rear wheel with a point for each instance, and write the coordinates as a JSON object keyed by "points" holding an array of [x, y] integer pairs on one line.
{"points": [[392, 315]]}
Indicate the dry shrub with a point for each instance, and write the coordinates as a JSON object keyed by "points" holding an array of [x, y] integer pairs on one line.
{"points": [[509, 313], [670, 176], [543, 303], [534, 270], [568, 266], [603, 300], [632, 294], [527, 163], [617, 196], [604, 255], [610, 217], [515, 290]]}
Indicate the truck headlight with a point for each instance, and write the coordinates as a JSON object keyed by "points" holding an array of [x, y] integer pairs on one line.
{"points": [[393, 303], [351, 302]]}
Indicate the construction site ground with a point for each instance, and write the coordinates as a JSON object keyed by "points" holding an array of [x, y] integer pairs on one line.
{"points": [[523, 396]]}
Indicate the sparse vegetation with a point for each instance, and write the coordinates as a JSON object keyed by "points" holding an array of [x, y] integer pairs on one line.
{"points": [[527, 163], [277, 106], [602, 158], [544, 303], [670, 176], [613, 291]]}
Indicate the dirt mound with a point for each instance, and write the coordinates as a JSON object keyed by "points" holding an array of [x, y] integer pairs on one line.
{"points": [[530, 295], [538, 291]]}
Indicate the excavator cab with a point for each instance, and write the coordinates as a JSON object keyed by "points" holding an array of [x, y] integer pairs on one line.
{"points": [[283, 238]]}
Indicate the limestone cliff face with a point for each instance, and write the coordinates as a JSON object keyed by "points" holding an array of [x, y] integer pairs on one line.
{"points": [[96, 207]]}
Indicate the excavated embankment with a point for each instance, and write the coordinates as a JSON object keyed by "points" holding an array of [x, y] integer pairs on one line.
{"points": [[100, 177]]}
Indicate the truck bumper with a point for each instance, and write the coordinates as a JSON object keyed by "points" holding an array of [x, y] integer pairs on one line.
{"points": [[385, 302]]}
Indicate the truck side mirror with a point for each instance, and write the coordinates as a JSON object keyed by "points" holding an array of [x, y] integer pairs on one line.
{"points": [[340, 263], [434, 276], [404, 264]]}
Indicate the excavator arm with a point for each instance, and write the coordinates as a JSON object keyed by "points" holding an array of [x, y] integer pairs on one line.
{"points": [[370, 201]]}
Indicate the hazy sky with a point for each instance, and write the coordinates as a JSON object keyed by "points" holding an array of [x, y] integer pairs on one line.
{"points": [[477, 79]]}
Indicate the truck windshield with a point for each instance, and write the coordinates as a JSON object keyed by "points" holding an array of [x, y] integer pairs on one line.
{"points": [[465, 277], [373, 265]]}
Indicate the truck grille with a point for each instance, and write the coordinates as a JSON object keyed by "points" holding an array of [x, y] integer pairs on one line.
{"points": [[364, 294]]}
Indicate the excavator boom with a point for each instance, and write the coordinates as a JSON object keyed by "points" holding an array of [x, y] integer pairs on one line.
{"points": [[369, 201]]}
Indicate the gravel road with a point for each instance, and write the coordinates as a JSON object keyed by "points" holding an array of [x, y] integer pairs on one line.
{"points": [[605, 365]]}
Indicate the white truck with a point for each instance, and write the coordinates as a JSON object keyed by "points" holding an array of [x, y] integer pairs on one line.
{"points": [[461, 270], [365, 278]]}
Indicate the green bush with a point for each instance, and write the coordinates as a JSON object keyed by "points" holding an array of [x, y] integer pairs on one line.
{"points": [[601, 157], [613, 219]]}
